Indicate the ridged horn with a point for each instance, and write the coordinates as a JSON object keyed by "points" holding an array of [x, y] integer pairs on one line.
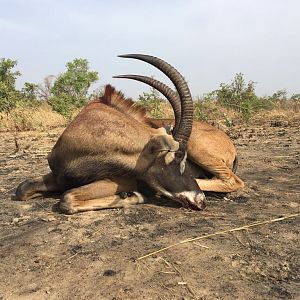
{"points": [[185, 128], [163, 89]]}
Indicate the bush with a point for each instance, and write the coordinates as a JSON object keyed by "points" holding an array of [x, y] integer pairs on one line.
{"points": [[70, 89], [295, 97], [241, 97], [207, 109], [204, 109], [152, 103], [29, 94], [62, 104], [9, 96]]}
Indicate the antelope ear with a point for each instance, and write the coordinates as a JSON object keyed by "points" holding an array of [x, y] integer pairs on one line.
{"points": [[161, 131], [167, 142], [108, 91], [161, 143], [170, 156]]}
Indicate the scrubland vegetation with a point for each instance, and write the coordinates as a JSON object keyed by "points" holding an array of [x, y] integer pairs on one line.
{"points": [[55, 101]]}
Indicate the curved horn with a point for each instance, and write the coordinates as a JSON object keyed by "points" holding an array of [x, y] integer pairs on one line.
{"points": [[165, 90], [181, 86]]}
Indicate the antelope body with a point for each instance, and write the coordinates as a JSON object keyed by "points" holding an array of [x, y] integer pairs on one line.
{"points": [[111, 147]]}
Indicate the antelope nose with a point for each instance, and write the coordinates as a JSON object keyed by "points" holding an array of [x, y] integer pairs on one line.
{"points": [[200, 201], [194, 200]]}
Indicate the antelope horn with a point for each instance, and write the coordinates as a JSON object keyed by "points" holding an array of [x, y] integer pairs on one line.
{"points": [[185, 128], [165, 90]]}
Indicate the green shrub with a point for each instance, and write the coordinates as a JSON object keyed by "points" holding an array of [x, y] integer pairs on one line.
{"points": [[152, 103], [204, 109], [70, 89], [62, 104], [295, 97], [9, 96], [29, 94], [241, 97]]}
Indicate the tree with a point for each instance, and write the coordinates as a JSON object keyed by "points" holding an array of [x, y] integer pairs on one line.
{"points": [[295, 97], [74, 83], [9, 96], [44, 90], [70, 89], [29, 92]]}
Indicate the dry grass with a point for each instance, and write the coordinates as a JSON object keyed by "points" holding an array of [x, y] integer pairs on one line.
{"points": [[42, 117], [32, 118]]}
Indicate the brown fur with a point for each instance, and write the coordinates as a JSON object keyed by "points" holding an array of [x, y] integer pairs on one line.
{"points": [[117, 100]]}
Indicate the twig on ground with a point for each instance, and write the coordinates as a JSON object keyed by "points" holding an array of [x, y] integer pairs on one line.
{"points": [[184, 282], [76, 253], [219, 233], [202, 246], [177, 271]]}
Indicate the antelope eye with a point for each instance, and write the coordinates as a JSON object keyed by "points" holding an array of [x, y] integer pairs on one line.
{"points": [[154, 149], [179, 155]]}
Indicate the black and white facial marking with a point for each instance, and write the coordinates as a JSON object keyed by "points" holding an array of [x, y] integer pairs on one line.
{"points": [[182, 163]]}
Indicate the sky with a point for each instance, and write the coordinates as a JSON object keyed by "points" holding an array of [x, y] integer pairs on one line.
{"points": [[208, 41]]}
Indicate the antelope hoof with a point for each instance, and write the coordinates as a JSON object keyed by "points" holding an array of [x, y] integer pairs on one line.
{"points": [[22, 191], [66, 205], [124, 195]]}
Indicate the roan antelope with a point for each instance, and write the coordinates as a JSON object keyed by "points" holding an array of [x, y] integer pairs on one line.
{"points": [[110, 147]]}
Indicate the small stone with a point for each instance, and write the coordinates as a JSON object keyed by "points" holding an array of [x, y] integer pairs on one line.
{"points": [[15, 220], [109, 273]]}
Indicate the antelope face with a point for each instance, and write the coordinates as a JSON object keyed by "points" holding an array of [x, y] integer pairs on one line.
{"points": [[165, 170]]}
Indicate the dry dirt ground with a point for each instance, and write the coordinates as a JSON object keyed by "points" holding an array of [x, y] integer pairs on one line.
{"points": [[47, 255]]}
